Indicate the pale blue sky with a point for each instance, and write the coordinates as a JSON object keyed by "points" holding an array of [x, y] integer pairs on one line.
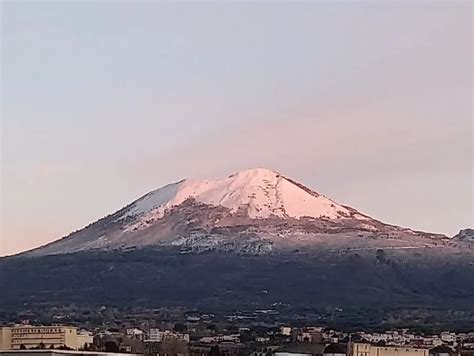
{"points": [[369, 103]]}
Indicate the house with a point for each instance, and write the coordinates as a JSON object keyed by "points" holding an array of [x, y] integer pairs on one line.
{"points": [[135, 333]]}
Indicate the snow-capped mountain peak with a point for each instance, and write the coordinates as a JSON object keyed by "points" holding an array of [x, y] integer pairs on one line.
{"points": [[261, 193], [253, 211]]}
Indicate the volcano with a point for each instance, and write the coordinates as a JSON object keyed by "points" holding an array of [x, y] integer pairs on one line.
{"points": [[252, 240], [253, 211]]}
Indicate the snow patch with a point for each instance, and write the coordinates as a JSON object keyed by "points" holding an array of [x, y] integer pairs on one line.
{"points": [[261, 193]]}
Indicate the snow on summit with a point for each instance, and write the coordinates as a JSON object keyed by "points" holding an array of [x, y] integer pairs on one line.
{"points": [[262, 193]]}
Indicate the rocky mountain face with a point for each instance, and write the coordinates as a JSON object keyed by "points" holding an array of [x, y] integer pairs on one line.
{"points": [[255, 211], [255, 239], [465, 235]]}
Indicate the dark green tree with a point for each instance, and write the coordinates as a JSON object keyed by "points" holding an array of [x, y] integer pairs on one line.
{"points": [[381, 255], [111, 346], [214, 351], [179, 327], [211, 327]]}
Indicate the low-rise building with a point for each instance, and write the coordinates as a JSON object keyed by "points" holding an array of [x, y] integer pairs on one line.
{"points": [[135, 333], [157, 335], [448, 337], [84, 338], [235, 338]]}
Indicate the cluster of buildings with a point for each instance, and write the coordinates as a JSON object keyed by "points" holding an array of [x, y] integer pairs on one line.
{"points": [[404, 337], [258, 340]]}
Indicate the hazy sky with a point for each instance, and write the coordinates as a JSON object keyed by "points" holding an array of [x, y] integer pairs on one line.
{"points": [[369, 103]]}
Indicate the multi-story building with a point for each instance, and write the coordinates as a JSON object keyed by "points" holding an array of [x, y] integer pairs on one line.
{"points": [[27, 336], [359, 349]]}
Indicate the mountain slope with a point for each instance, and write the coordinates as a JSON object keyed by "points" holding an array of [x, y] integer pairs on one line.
{"points": [[220, 282], [465, 235]]}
